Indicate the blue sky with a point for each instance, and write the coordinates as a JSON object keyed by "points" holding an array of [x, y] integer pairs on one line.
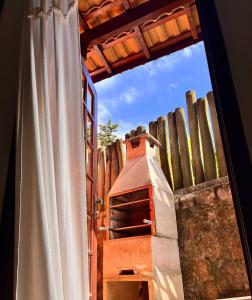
{"points": [[142, 94]]}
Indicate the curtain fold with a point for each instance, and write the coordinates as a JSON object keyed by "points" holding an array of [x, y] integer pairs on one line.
{"points": [[51, 232]]}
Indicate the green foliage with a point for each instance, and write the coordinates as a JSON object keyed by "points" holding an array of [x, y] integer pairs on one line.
{"points": [[106, 133]]}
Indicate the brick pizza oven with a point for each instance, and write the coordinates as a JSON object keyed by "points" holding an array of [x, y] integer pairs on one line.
{"points": [[140, 253]]}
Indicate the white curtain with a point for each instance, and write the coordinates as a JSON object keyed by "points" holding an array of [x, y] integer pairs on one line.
{"points": [[51, 238]]}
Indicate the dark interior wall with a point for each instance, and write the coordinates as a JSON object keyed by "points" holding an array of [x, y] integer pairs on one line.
{"points": [[226, 32], [7, 231], [1, 5], [11, 19], [235, 19]]}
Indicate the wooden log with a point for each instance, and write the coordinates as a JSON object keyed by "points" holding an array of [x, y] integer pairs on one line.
{"points": [[184, 147], [133, 133], [108, 171], [140, 130], [153, 130], [101, 176], [206, 139], [217, 136], [162, 136], [194, 136], [127, 136], [121, 152], [175, 155], [114, 163]]}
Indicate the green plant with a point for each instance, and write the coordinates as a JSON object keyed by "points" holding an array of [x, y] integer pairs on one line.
{"points": [[106, 133]]}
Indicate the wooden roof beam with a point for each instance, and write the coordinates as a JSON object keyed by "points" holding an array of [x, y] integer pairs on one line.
{"points": [[126, 4], [142, 42], [98, 72], [103, 59], [83, 22], [83, 43], [132, 17], [191, 22]]}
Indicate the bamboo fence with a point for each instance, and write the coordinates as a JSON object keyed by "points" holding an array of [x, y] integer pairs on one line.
{"points": [[188, 156]]}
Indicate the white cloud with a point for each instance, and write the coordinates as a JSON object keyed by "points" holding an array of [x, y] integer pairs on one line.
{"points": [[107, 84], [187, 52], [150, 68], [129, 95], [108, 106], [173, 85], [198, 47], [170, 61], [103, 113], [194, 49], [164, 63], [125, 127]]}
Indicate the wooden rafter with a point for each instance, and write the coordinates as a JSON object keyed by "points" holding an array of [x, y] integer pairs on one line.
{"points": [[126, 4], [191, 21], [139, 30], [98, 72], [103, 58], [132, 23], [142, 42], [132, 17], [101, 10], [175, 44], [83, 22], [128, 60], [138, 33]]}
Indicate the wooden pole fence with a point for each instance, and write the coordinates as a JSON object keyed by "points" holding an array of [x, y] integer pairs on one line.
{"points": [[194, 137], [175, 154], [184, 147], [206, 139], [101, 175], [121, 152], [114, 163], [217, 136], [108, 171], [153, 130], [185, 158], [162, 136]]}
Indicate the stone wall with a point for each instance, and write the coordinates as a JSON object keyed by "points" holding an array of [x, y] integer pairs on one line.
{"points": [[211, 256]]}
